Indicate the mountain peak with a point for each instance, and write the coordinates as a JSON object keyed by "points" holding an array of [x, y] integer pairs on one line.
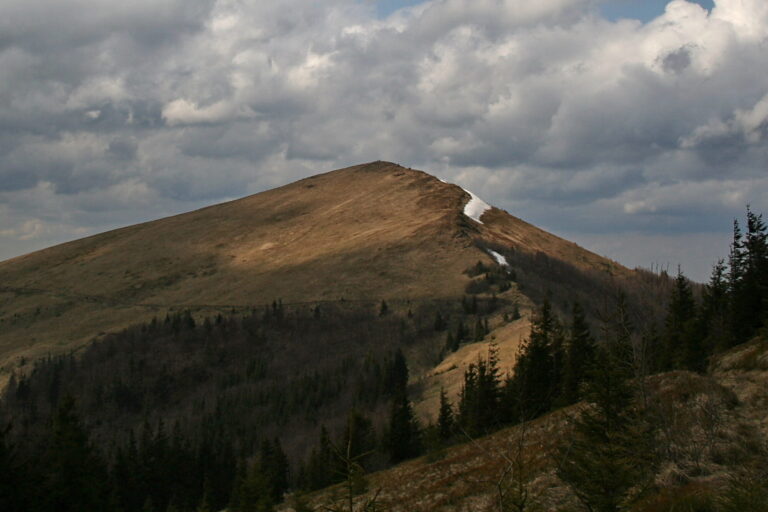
{"points": [[367, 232]]}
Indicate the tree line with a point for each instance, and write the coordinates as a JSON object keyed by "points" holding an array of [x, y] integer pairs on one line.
{"points": [[175, 412], [188, 414]]}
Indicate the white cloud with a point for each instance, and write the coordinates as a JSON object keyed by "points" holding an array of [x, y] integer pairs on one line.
{"points": [[749, 124]]}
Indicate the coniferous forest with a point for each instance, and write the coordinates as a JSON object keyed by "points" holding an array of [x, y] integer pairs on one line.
{"points": [[233, 410]]}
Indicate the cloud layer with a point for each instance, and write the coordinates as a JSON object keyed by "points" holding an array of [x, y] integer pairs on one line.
{"points": [[112, 114]]}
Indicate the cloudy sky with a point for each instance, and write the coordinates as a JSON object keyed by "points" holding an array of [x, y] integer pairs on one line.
{"points": [[638, 128]]}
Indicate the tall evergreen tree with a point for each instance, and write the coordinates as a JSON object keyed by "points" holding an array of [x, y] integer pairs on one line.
{"points": [[126, 473], [397, 373], [607, 460], [322, 469], [469, 403], [445, 419], [74, 471], [580, 356], [273, 463], [489, 382], [754, 290], [535, 382], [256, 492], [713, 317], [736, 271], [236, 496], [403, 435], [14, 476], [679, 328], [479, 402]]}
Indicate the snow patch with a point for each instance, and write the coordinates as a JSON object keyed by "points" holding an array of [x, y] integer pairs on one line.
{"points": [[501, 260], [476, 207]]}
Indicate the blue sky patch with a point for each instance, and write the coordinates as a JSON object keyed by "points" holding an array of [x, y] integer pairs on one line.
{"points": [[644, 10]]}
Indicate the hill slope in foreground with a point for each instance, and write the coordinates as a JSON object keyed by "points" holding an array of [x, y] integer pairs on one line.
{"points": [[371, 232], [709, 451]]}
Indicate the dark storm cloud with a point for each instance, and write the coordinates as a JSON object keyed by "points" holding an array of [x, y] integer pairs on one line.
{"points": [[109, 112]]}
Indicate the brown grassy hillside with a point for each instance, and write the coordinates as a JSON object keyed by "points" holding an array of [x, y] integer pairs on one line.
{"points": [[373, 231]]}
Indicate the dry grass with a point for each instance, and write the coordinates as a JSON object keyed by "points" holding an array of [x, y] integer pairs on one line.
{"points": [[706, 438], [449, 374], [744, 370], [368, 232], [752, 356], [466, 476]]}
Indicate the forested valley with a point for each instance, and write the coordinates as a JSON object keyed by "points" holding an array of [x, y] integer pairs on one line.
{"points": [[234, 410]]}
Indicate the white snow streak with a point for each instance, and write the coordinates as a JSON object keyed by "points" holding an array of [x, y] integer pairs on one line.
{"points": [[501, 260], [475, 208]]}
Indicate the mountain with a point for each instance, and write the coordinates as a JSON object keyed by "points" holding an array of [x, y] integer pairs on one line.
{"points": [[348, 322], [369, 232]]}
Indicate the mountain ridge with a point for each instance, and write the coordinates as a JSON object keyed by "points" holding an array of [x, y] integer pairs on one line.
{"points": [[368, 232]]}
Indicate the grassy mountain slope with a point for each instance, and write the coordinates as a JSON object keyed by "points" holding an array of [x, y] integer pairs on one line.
{"points": [[371, 232]]}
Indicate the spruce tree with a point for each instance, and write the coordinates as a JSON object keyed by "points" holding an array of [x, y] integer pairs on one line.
{"points": [[535, 381], [256, 492], [445, 419], [489, 381], [736, 287], [479, 402], [13, 475], [127, 481], [713, 324], [403, 434], [607, 461], [236, 496], [274, 465], [322, 469], [580, 354], [397, 373], [679, 334], [755, 280], [469, 403], [74, 471]]}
